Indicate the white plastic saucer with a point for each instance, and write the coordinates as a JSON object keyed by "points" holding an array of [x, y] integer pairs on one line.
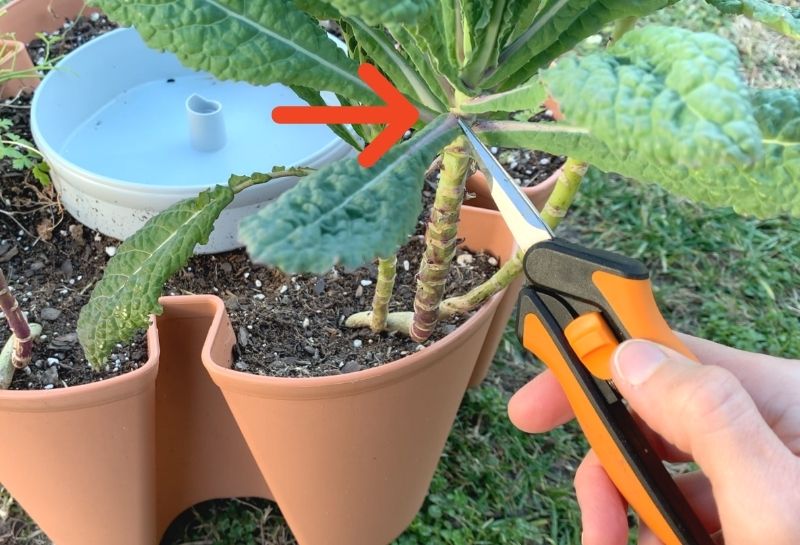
{"points": [[129, 131]]}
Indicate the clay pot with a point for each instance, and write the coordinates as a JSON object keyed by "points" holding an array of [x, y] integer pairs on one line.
{"points": [[349, 458], [81, 460], [25, 18], [14, 58], [20, 22], [201, 453], [538, 194], [483, 201]]}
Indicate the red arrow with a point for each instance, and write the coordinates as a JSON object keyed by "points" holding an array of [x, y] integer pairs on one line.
{"points": [[398, 114]]}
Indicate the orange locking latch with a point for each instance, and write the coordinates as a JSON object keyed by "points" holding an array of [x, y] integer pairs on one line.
{"points": [[593, 342]]}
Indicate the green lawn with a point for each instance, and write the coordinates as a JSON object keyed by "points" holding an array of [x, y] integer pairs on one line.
{"points": [[717, 275]]}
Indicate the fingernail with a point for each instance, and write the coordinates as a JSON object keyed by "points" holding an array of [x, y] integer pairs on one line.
{"points": [[636, 361]]}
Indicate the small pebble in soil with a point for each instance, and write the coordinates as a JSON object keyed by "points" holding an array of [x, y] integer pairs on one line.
{"points": [[50, 376], [258, 283], [492, 261], [366, 282], [406, 265], [351, 367], [357, 343], [464, 259], [306, 323], [50, 314], [111, 251]]}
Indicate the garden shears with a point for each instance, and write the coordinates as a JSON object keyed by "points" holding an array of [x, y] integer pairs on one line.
{"points": [[579, 304]]}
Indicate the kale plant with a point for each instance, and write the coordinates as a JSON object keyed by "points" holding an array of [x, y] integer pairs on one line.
{"points": [[660, 104]]}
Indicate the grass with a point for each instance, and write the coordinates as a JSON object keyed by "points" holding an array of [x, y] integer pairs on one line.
{"points": [[716, 275]]}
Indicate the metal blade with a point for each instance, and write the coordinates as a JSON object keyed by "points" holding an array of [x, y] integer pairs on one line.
{"points": [[520, 215]]}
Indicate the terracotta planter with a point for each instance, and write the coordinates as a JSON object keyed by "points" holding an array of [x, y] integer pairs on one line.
{"points": [[81, 460], [538, 194], [20, 23], [201, 453], [14, 58], [25, 18], [483, 201], [349, 458]]}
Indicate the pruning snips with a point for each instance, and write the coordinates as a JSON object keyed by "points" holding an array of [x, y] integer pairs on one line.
{"points": [[578, 306]]}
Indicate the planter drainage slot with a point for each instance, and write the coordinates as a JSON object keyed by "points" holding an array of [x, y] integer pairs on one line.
{"points": [[128, 139]]}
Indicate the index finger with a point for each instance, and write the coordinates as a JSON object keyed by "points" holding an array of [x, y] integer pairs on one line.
{"points": [[540, 405]]}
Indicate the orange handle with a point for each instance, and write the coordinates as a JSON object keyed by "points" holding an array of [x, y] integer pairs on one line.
{"points": [[633, 303], [537, 339]]}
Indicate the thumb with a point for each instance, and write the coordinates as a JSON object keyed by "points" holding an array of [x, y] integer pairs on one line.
{"points": [[703, 410]]}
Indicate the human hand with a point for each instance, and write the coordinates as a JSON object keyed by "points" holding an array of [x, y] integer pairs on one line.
{"points": [[737, 416]]}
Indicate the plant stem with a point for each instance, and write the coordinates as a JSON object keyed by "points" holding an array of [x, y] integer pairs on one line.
{"points": [[26, 147], [622, 27], [240, 183], [440, 239], [23, 339], [7, 367], [555, 209], [387, 272], [564, 192], [476, 296]]}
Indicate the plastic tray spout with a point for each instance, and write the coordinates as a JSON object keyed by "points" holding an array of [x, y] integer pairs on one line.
{"points": [[206, 123]]}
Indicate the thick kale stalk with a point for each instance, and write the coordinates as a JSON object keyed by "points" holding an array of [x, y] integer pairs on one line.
{"points": [[440, 239], [22, 336], [387, 272], [564, 192]]}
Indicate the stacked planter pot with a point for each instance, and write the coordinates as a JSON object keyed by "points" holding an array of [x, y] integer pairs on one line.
{"points": [[19, 24], [348, 458]]}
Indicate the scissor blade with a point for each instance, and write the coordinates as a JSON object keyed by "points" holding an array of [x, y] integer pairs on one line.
{"points": [[520, 215]]}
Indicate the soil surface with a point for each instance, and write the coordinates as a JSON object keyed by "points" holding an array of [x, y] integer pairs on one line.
{"points": [[293, 325], [286, 325], [72, 35]]}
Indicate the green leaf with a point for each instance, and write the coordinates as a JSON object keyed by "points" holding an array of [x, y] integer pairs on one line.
{"points": [[258, 41], [452, 28], [558, 26], [433, 69], [518, 18], [381, 49], [128, 292], [669, 106], [314, 98], [525, 97], [375, 12], [768, 187], [486, 38], [338, 215], [428, 46], [41, 171], [783, 19], [318, 9], [674, 95]]}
